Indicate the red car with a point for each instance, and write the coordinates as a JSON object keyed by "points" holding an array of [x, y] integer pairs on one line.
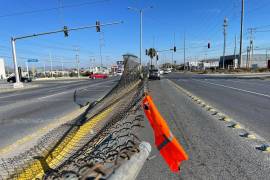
{"points": [[98, 76]]}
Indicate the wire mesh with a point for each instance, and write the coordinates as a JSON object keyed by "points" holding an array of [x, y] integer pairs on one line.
{"points": [[91, 145]]}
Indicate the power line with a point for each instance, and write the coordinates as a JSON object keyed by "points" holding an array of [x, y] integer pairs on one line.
{"points": [[52, 9]]}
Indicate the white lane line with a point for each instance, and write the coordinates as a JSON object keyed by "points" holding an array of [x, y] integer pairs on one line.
{"points": [[66, 92], [52, 90], [234, 88], [9, 96], [44, 97]]}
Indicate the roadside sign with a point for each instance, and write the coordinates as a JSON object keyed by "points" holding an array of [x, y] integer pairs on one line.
{"points": [[32, 60]]}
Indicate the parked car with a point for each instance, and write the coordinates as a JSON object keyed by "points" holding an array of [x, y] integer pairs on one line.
{"points": [[12, 79], [98, 76], [154, 74]]}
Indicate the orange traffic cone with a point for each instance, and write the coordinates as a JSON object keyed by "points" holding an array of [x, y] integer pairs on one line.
{"points": [[167, 144]]}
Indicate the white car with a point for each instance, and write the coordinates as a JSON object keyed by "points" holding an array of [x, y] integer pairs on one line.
{"points": [[161, 72]]}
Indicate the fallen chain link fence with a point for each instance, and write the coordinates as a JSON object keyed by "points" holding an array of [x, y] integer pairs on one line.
{"points": [[92, 145]]}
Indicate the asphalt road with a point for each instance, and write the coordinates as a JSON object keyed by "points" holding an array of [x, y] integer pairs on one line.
{"points": [[247, 101], [215, 151], [23, 112]]}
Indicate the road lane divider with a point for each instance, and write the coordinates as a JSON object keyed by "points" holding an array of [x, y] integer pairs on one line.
{"points": [[235, 125], [248, 135], [229, 121], [264, 148]]}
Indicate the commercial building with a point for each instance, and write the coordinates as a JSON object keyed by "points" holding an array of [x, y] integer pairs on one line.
{"points": [[256, 61], [203, 64], [210, 64], [2, 69]]}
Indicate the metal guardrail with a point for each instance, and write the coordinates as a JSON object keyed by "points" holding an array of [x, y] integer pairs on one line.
{"points": [[100, 126], [130, 169]]}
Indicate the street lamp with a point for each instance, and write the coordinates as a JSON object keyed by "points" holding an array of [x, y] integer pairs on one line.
{"points": [[141, 19]]}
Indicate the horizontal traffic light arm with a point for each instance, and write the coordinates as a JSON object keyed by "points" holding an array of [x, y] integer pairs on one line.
{"points": [[71, 29]]}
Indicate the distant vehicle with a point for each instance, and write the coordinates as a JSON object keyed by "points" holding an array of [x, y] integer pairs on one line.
{"points": [[161, 72], [12, 79], [119, 73], [154, 74], [98, 76], [167, 71]]}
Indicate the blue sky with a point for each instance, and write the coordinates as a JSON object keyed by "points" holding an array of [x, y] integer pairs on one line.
{"points": [[200, 19]]}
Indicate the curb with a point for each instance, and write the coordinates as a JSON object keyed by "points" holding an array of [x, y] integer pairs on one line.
{"points": [[264, 147]]}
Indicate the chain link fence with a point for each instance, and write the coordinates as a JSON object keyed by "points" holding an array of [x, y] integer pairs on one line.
{"points": [[92, 145]]}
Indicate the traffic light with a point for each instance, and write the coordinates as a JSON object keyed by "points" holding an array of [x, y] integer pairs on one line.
{"points": [[97, 26], [174, 49], [209, 45], [157, 57], [146, 52], [65, 30]]}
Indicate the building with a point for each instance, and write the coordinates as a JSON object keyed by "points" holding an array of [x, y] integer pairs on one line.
{"points": [[193, 65], [99, 69], [230, 62], [120, 67], [203, 64], [257, 61], [210, 64], [113, 69], [2, 69]]}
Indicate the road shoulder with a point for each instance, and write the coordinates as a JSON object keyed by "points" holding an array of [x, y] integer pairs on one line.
{"points": [[215, 151]]}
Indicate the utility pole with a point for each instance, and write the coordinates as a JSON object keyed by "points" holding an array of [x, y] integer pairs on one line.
{"points": [[100, 54], [235, 41], [141, 26], [44, 69], [184, 51], [27, 68], [225, 25], [62, 67], [51, 65], [266, 55], [248, 54], [241, 33], [141, 34], [77, 61], [101, 44]]}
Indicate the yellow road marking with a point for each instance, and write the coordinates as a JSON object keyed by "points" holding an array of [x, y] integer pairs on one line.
{"points": [[39, 132], [64, 149]]}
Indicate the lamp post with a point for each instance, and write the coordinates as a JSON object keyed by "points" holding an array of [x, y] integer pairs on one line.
{"points": [[141, 26]]}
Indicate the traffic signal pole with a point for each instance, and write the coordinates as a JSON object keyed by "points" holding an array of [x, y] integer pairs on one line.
{"points": [[18, 84]]}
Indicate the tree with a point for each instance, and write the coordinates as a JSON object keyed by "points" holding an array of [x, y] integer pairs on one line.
{"points": [[151, 53]]}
